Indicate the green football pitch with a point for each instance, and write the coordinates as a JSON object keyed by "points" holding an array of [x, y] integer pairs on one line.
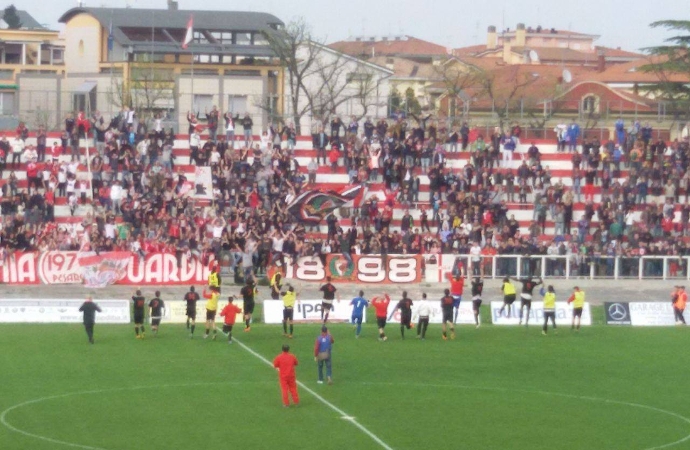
{"points": [[491, 388]]}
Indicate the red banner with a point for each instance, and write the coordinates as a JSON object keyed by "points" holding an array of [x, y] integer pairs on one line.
{"points": [[363, 269], [100, 270]]}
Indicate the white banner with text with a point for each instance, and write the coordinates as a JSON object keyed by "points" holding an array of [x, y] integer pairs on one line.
{"points": [[564, 314], [28, 310], [308, 311]]}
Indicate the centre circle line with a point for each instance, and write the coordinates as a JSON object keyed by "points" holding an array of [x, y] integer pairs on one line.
{"points": [[4, 421], [555, 394]]}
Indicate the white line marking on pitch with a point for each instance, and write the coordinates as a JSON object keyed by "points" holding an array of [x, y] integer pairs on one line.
{"points": [[342, 413], [9, 426], [556, 394]]}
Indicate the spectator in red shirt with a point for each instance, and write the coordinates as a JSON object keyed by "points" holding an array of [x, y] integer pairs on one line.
{"points": [[285, 365]]}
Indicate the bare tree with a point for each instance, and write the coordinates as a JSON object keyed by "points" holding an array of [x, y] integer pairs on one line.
{"points": [[506, 89], [367, 92], [292, 46], [148, 90], [458, 79]]}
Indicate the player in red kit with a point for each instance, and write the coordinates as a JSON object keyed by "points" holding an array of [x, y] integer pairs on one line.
{"points": [[285, 365], [380, 304], [457, 285], [229, 314]]}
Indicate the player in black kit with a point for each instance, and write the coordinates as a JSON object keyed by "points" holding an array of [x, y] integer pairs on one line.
{"points": [[528, 285], [447, 311], [156, 306], [191, 298], [139, 313], [477, 288], [405, 307]]}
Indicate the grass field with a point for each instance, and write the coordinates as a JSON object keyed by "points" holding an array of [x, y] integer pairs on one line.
{"points": [[491, 388]]}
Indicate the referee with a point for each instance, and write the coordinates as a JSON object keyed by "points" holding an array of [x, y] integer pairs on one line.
{"points": [[289, 299]]}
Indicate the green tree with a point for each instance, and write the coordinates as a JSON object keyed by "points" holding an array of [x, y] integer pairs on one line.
{"points": [[394, 101], [412, 103], [671, 64], [11, 18]]}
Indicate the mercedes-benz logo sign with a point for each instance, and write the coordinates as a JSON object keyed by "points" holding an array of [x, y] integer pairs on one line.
{"points": [[617, 312]]}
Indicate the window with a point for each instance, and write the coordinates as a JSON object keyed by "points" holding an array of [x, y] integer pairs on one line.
{"points": [[6, 103], [260, 39], [243, 38], [354, 77], [590, 104], [199, 37], [13, 54], [84, 101], [202, 102], [237, 104]]}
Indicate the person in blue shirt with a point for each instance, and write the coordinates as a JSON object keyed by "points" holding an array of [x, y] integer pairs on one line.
{"points": [[322, 354], [573, 135], [358, 305], [620, 131]]}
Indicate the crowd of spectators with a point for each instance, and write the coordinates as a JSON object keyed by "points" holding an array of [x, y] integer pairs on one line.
{"points": [[137, 198]]}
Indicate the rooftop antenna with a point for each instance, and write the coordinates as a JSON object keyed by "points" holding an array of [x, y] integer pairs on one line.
{"points": [[475, 38]]}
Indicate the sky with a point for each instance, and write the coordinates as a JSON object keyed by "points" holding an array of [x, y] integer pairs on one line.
{"points": [[452, 23]]}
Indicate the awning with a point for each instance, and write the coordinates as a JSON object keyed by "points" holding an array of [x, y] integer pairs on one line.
{"points": [[86, 87], [8, 86]]}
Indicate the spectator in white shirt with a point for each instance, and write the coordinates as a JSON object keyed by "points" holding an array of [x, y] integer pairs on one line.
{"points": [[17, 150], [312, 167], [72, 202], [475, 258], [30, 154], [116, 197], [194, 146], [109, 230]]}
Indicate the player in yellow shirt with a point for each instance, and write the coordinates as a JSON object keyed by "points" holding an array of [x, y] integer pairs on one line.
{"points": [[289, 300], [578, 300], [508, 289], [549, 308], [211, 309], [214, 277]]}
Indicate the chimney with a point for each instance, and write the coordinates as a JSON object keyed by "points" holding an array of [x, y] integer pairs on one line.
{"points": [[601, 61], [172, 5], [491, 38], [520, 35]]}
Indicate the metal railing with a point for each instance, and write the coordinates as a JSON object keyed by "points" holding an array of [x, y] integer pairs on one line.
{"points": [[580, 267]]}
